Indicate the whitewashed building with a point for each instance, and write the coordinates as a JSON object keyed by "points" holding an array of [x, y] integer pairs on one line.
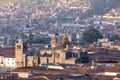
{"points": [[9, 62], [24, 73]]}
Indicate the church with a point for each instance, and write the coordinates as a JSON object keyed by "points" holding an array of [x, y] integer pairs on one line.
{"points": [[18, 57], [57, 54]]}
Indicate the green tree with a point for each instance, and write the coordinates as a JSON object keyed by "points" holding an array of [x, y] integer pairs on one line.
{"points": [[65, 42], [91, 35]]}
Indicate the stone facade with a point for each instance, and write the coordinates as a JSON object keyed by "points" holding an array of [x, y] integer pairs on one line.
{"points": [[58, 56], [32, 60], [19, 54], [22, 59], [19, 57]]}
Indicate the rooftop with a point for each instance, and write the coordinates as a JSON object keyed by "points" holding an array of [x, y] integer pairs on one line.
{"points": [[22, 70]]}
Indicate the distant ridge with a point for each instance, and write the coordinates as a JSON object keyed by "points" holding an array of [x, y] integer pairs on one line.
{"points": [[101, 7]]}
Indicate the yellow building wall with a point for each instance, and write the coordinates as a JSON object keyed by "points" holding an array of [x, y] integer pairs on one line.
{"points": [[58, 56]]}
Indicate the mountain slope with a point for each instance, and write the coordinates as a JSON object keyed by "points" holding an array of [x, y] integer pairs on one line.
{"points": [[100, 7]]}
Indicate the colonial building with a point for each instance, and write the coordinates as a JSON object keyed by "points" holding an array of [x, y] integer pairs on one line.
{"points": [[23, 73], [59, 56], [32, 60], [19, 57], [23, 57], [9, 62]]}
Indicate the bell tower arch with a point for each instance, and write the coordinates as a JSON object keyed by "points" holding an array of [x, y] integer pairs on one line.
{"points": [[20, 49]]}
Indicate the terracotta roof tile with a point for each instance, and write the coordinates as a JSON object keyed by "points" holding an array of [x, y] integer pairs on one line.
{"points": [[22, 70]]}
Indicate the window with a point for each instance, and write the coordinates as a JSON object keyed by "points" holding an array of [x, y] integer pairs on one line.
{"points": [[75, 55], [51, 54], [1, 62], [18, 46], [58, 55], [69, 55]]}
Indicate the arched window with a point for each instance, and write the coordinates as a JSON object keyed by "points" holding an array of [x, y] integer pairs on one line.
{"points": [[58, 55], [18, 46]]}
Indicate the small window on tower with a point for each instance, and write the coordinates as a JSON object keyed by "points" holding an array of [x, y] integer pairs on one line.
{"points": [[58, 55], [1, 62], [18, 46]]}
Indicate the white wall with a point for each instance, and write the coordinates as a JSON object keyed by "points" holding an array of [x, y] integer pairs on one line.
{"points": [[9, 62], [24, 74], [111, 73], [55, 67]]}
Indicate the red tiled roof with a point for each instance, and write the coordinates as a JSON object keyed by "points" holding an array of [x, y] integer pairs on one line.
{"points": [[9, 55], [7, 50], [22, 70], [112, 69]]}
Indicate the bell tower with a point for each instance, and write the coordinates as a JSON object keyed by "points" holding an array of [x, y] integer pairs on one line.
{"points": [[20, 49], [53, 42]]}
